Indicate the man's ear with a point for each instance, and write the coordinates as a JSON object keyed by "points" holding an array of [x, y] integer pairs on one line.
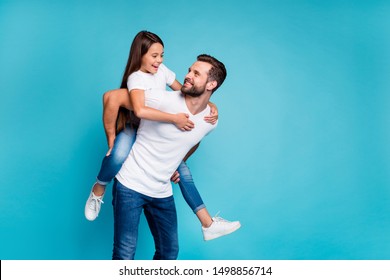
{"points": [[211, 85]]}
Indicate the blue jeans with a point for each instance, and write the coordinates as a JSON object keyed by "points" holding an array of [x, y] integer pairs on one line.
{"points": [[112, 164], [160, 214], [188, 188]]}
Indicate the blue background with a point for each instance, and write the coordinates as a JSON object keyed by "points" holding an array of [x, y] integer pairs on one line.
{"points": [[300, 156]]}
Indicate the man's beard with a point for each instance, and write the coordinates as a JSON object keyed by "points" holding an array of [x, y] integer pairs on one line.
{"points": [[193, 91]]}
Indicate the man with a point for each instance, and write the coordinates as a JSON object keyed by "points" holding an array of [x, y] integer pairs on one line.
{"points": [[143, 183]]}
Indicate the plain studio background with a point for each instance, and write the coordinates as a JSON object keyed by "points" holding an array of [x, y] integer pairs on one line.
{"points": [[300, 156]]}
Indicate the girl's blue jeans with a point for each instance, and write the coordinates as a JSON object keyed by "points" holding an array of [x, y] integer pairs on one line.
{"points": [[112, 163]]}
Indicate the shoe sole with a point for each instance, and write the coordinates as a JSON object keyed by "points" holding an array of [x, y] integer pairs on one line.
{"points": [[226, 233], [89, 218]]}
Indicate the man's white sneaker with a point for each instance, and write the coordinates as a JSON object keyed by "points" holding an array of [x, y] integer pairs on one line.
{"points": [[92, 207], [219, 227]]}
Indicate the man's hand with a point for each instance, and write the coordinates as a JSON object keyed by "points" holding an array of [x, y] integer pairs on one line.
{"points": [[175, 177]]}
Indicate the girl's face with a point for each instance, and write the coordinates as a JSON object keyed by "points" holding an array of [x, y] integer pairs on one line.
{"points": [[152, 59]]}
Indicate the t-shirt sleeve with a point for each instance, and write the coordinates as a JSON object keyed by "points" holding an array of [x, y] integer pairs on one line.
{"points": [[169, 75], [214, 126], [135, 81]]}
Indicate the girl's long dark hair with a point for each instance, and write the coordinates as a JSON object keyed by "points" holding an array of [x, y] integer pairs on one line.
{"points": [[139, 47]]}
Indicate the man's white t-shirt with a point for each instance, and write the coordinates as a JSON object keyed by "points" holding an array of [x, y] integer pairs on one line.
{"points": [[160, 147]]}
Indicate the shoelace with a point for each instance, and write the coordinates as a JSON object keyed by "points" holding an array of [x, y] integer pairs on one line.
{"points": [[94, 202], [216, 218]]}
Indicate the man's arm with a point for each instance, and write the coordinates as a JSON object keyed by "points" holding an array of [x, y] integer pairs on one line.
{"points": [[190, 152]]}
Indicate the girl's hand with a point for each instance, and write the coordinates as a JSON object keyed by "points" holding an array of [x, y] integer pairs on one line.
{"points": [[110, 140], [108, 152], [213, 117], [183, 122], [175, 177]]}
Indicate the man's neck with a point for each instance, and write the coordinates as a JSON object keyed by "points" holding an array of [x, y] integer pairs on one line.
{"points": [[197, 104]]}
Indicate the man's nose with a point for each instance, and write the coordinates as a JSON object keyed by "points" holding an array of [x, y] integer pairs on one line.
{"points": [[189, 75]]}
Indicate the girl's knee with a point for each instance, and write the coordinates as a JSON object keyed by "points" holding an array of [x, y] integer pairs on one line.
{"points": [[183, 170], [110, 99], [119, 156]]}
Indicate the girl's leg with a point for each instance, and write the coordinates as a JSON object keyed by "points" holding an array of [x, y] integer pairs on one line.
{"points": [[113, 101], [111, 165], [211, 227], [192, 196]]}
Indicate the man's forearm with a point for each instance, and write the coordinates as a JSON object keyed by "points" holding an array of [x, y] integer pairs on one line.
{"points": [[190, 152]]}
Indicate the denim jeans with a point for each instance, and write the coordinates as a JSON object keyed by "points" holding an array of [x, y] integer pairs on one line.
{"points": [[160, 214], [188, 188], [112, 164]]}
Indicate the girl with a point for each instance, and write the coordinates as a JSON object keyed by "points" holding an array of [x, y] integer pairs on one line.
{"points": [[144, 70]]}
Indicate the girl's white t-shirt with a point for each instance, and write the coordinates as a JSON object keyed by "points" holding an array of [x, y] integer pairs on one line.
{"points": [[141, 80]]}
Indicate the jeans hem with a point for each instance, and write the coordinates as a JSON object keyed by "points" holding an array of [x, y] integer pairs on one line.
{"points": [[199, 208], [102, 182]]}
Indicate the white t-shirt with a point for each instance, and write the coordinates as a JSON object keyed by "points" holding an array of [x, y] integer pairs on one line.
{"points": [[144, 81], [160, 147]]}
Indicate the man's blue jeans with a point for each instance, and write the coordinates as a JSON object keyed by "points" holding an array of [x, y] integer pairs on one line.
{"points": [[160, 214], [112, 164]]}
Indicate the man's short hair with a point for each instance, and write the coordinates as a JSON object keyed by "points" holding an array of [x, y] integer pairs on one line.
{"points": [[217, 72]]}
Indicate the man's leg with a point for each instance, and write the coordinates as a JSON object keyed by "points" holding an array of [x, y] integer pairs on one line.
{"points": [[127, 211], [162, 219]]}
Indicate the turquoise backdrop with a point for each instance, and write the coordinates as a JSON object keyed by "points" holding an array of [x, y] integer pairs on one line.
{"points": [[300, 156]]}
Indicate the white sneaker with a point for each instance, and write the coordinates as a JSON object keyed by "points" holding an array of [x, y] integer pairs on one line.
{"points": [[92, 207], [219, 227]]}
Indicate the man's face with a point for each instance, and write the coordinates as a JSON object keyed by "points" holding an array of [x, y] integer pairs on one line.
{"points": [[195, 81]]}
